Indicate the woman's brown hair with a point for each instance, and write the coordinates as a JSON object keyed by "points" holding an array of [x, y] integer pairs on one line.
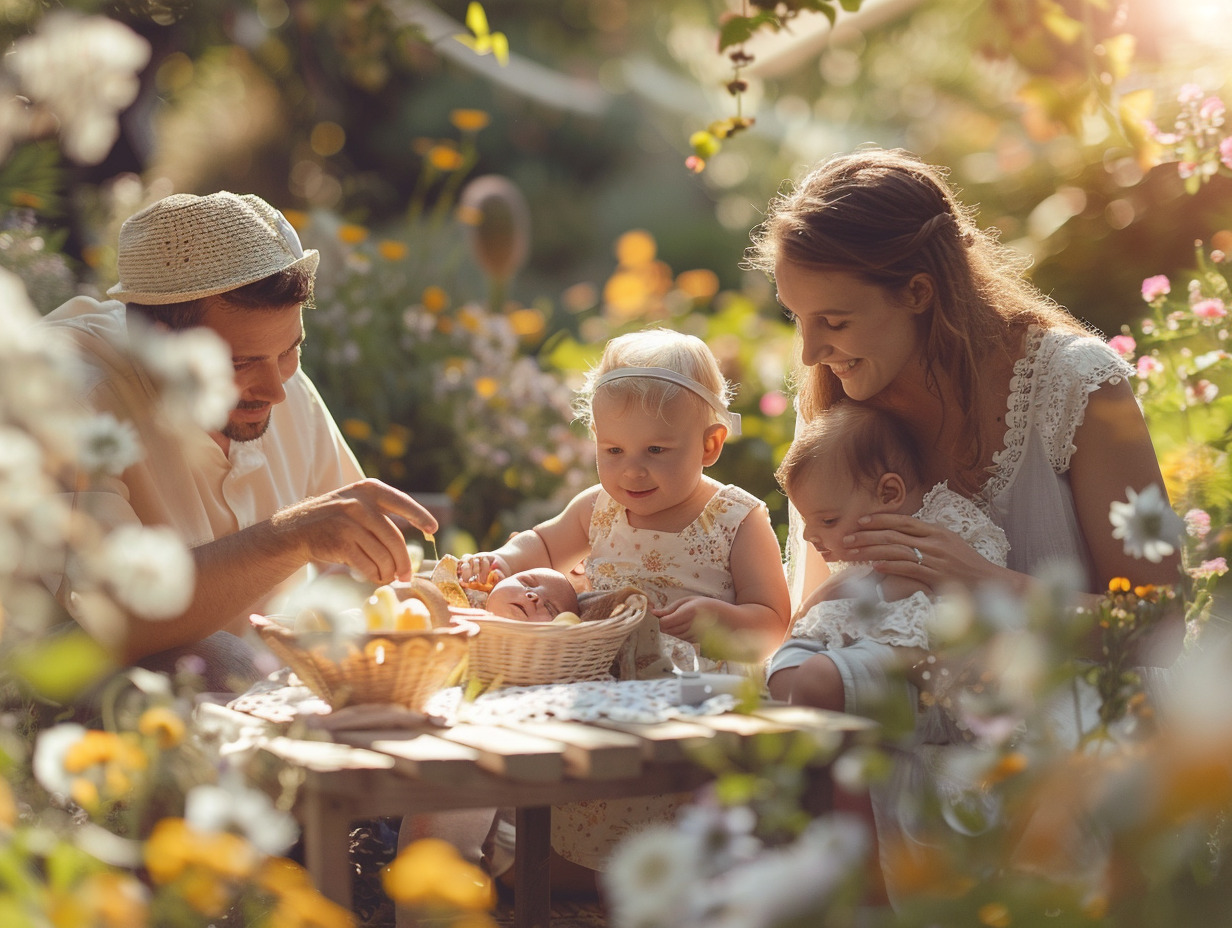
{"points": [[885, 216]]}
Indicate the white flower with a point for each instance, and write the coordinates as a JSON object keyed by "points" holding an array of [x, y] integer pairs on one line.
{"points": [[797, 880], [194, 374], [106, 445], [651, 876], [233, 805], [49, 753], [85, 70], [149, 570], [1146, 524]]}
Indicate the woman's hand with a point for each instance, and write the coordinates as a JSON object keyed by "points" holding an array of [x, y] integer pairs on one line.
{"points": [[926, 553]]}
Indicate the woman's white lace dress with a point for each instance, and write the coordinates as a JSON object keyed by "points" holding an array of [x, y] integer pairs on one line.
{"points": [[1028, 494]]}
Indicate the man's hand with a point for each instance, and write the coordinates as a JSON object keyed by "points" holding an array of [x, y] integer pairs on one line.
{"points": [[352, 526]]}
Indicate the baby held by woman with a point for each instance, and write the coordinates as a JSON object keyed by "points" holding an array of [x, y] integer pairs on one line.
{"points": [[854, 460]]}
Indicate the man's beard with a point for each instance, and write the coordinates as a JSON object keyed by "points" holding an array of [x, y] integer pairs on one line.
{"points": [[246, 431]]}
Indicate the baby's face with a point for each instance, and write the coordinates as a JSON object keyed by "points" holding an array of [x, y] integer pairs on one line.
{"points": [[830, 505], [537, 595]]}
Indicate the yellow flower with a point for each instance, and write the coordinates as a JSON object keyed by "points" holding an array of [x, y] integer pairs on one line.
{"points": [[635, 248], [92, 255], [701, 284], [168, 849], [205, 892], [431, 873], [27, 199], [85, 794], [116, 899], [8, 806], [352, 234], [299, 903], [486, 387], [470, 321], [393, 446], [1013, 763], [357, 429], [444, 157], [391, 250], [527, 323], [297, 218], [434, 299], [994, 915], [164, 725], [469, 120], [553, 464], [625, 294], [1118, 585]]}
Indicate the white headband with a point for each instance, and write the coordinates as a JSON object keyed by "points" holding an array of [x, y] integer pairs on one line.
{"points": [[662, 373]]}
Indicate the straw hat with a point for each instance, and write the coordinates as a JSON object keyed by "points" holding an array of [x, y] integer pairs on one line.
{"points": [[184, 247]]}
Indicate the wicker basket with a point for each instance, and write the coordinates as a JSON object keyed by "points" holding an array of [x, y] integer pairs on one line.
{"points": [[509, 652], [403, 668]]}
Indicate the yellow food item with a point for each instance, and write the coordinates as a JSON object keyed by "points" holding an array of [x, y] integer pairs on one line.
{"points": [[412, 615], [567, 618], [381, 608], [445, 578]]}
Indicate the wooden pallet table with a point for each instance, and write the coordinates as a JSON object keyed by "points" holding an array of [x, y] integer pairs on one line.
{"points": [[530, 766]]}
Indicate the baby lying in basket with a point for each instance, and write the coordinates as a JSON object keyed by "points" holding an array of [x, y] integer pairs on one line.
{"points": [[542, 594], [536, 595]]}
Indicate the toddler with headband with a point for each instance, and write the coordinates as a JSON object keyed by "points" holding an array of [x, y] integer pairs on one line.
{"points": [[704, 553]]}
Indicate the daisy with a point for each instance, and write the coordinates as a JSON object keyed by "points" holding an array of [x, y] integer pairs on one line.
{"points": [[149, 570], [1146, 524]]}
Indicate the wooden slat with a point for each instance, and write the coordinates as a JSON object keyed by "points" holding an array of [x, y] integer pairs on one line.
{"points": [[510, 753], [326, 756], [670, 741], [742, 726], [419, 754], [590, 753], [806, 717]]}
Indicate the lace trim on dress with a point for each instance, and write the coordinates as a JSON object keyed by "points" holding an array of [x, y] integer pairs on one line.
{"points": [[837, 623], [942, 506], [1042, 389]]}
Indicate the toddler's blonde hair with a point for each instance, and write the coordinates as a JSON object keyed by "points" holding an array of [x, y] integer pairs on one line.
{"points": [[656, 347]]}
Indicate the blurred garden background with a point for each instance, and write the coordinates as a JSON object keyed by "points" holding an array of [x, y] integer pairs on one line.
{"points": [[498, 189], [368, 121]]}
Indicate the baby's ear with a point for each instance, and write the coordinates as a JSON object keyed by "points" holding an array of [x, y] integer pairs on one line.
{"points": [[891, 490], [712, 443]]}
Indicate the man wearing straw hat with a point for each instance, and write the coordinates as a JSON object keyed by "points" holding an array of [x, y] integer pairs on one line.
{"points": [[276, 487]]}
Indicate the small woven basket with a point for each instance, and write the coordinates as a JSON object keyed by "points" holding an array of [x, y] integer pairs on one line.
{"points": [[508, 652], [399, 667]]}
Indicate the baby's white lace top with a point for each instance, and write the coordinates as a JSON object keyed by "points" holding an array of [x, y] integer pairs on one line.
{"points": [[839, 622]]}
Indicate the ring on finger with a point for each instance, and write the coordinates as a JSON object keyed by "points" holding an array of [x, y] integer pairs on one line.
{"points": [[919, 556]]}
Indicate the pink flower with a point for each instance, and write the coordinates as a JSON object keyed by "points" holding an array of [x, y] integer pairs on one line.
{"points": [[1189, 93], [1147, 365], [1216, 567], [773, 403], [695, 164], [1212, 110], [1124, 345], [1225, 152], [1198, 523], [1212, 308], [1186, 169], [1202, 392], [1155, 287]]}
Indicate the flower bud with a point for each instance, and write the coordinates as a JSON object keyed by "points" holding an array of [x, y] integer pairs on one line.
{"points": [[499, 220]]}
